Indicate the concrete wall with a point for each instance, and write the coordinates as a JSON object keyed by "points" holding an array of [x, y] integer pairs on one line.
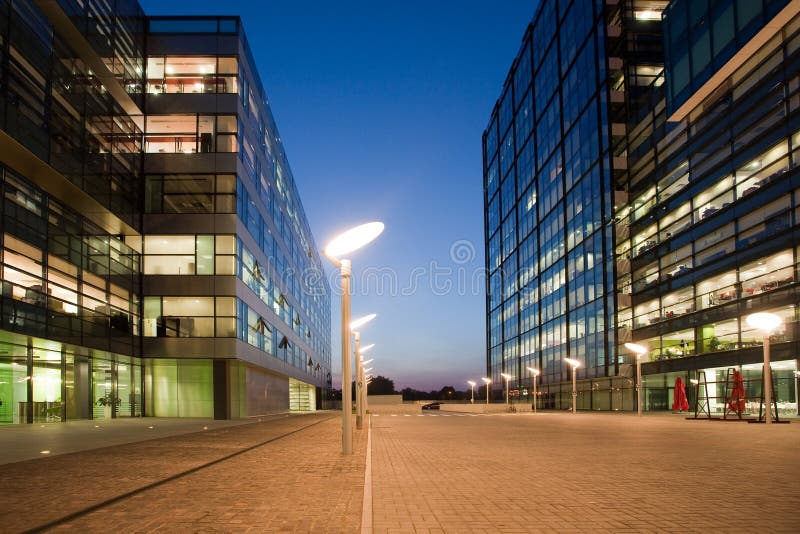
{"points": [[375, 400]]}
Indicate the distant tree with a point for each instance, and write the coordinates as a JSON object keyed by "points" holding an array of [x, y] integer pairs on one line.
{"points": [[381, 385], [447, 393]]}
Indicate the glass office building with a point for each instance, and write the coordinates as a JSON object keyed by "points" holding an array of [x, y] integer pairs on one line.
{"points": [[691, 205], [553, 151], [156, 259]]}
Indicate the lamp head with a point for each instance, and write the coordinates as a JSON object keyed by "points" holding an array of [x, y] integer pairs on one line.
{"points": [[639, 350], [361, 321], [353, 239], [573, 362], [768, 322], [486, 380], [365, 362], [506, 376], [534, 372], [471, 383], [362, 350]]}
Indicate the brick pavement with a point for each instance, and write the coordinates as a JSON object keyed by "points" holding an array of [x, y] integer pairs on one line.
{"points": [[581, 473], [299, 483]]}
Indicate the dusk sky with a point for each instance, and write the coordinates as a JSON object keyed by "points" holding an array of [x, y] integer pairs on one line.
{"points": [[381, 107]]}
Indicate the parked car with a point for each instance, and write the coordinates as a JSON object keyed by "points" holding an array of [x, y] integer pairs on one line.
{"points": [[431, 406]]}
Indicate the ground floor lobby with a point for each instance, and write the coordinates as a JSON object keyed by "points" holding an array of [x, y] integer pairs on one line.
{"points": [[43, 381], [709, 389]]}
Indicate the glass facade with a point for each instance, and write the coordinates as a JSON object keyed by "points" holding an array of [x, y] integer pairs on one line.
{"points": [[548, 163], [155, 258], [701, 36], [697, 217]]}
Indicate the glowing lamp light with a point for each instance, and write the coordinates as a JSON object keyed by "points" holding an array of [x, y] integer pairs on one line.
{"points": [[472, 383], [486, 380], [361, 321], [362, 350], [534, 372], [573, 362], [768, 322], [639, 350], [353, 239]]}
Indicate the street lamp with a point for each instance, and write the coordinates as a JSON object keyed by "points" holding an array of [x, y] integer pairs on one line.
{"points": [[487, 381], [472, 387], [361, 400], [575, 364], [535, 373], [507, 377], [640, 351], [349, 241], [767, 323]]}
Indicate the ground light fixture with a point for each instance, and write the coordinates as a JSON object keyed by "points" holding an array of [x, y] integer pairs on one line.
{"points": [[767, 323], [472, 387], [345, 243], [487, 381], [574, 364], [507, 378], [639, 351], [535, 374]]}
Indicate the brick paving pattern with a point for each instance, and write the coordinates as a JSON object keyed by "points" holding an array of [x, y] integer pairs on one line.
{"points": [[299, 483], [583, 473]]}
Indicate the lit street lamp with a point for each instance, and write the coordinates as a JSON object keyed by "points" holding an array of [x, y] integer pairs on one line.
{"points": [[350, 241], [472, 387], [507, 377], [575, 364], [640, 351], [487, 381], [364, 404], [535, 373], [767, 323], [360, 400]]}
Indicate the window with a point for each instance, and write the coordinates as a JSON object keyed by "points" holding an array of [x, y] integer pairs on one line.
{"points": [[191, 74]]}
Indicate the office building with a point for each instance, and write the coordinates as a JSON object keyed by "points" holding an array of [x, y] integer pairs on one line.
{"points": [[691, 204], [156, 258]]}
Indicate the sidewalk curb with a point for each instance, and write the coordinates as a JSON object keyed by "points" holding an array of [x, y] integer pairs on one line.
{"points": [[366, 507]]}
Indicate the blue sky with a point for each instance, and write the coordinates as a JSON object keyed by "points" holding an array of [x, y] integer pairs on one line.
{"points": [[381, 107]]}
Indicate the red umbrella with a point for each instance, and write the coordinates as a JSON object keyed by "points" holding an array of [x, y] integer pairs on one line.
{"points": [[680, 403], [736, 400]]}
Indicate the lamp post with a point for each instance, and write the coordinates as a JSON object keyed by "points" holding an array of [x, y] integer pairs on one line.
{"points": [[535, 373], [363, 393], [472, 387], [767, 323], [349, 241], [507, 378], [796, 399], [487, 381], [639, 351], [360, 379], [575, 364], [360, 410]]}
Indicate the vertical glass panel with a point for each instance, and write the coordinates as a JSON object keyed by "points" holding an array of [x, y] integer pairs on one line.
{"points": [[205, 254], [13, 388], [103, 398], [125, 390], [152, 313], [47, 401]]}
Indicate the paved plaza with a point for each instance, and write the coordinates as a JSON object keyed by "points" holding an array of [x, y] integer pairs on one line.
{"points": [[586, 472], [429, 472]]}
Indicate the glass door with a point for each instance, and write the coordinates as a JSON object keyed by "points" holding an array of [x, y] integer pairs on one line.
{"points": [[104, 398]]}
